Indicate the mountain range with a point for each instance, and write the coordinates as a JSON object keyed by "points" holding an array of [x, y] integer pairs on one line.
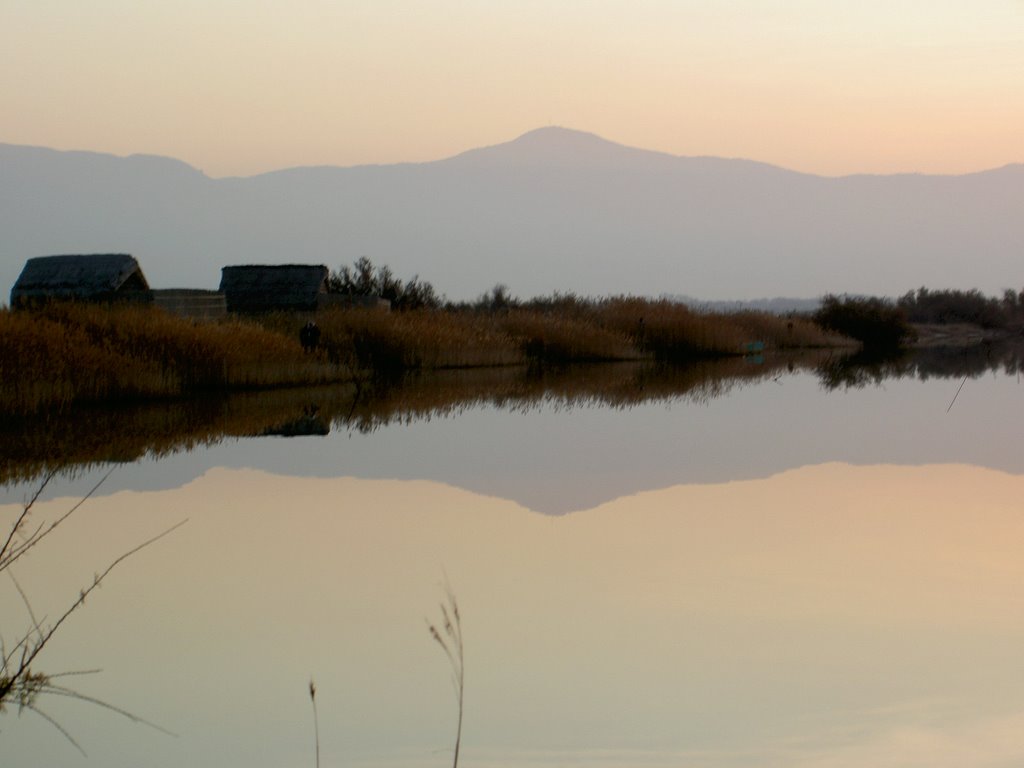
{"points": [[553, 210]]}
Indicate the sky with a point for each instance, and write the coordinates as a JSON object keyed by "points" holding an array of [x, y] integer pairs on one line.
{"points": [[239, 87]]}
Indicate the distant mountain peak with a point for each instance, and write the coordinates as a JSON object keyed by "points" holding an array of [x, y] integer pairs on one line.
{"points": [[559, 135], [555, 145], [156, 162]]}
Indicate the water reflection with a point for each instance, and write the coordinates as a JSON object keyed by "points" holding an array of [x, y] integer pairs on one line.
{"points": [[70, 442], [87, 437], [873, 367], [830, 616], [556, 457]]}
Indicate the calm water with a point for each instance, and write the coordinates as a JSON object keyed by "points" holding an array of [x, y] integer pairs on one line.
{"points": [[784, 576]]}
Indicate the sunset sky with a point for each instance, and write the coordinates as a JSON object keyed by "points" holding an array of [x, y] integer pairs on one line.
{"points": [[237, 87]]}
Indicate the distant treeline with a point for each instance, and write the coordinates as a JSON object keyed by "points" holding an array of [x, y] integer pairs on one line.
{"points": [[883, 323], [929, 306], [923, 305]]}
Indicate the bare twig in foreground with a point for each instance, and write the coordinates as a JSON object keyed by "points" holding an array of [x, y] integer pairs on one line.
{"points": [[20, 685]]}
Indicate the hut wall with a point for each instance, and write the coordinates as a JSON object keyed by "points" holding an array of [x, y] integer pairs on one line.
{"points": [[268, 288], [193, 304]]}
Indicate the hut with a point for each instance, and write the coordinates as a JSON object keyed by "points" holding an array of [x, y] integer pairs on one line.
{"points": [[83, 277], [266, 288]]}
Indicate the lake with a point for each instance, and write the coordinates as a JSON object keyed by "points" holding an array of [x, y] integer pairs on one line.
{"points": [[756, 569]]}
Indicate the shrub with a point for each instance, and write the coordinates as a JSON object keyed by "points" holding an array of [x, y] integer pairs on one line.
{"points": [[874, 322], [364, 279]]}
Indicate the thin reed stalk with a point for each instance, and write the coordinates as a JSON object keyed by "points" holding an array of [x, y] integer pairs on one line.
{"points": [[316, 721], [449, 637]]}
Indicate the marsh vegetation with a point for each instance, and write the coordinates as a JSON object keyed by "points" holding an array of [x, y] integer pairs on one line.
{"points": [[66, 354]]}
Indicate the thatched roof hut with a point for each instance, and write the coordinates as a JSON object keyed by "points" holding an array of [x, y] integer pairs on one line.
{"points": [[84, 277], [265, 288]]}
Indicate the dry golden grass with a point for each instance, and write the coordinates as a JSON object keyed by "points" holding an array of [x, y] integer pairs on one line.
{"points": [[561, 339], [78, 353], [68, 354], [413, 340], [673, 332]]}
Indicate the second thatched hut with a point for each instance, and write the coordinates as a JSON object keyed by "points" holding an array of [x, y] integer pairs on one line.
{"points": [[276, 287]]}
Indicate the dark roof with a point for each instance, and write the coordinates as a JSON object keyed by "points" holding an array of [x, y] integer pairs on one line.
{"points": [[261, 287], [84, 276]]}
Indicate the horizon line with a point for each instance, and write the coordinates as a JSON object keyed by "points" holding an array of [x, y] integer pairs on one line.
{"points": [[589, 135]]}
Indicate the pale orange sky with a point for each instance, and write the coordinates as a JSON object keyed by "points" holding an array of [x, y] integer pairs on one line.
{"points": [[236, 88]]}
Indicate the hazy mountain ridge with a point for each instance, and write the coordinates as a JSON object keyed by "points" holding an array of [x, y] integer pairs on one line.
{"points": [[552, 210]]}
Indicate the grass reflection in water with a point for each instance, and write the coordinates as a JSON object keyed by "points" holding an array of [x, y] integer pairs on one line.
{"points": [[86, 437]]}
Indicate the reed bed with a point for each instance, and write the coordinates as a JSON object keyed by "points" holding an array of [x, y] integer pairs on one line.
{"points": [[69, 354], [422, 339], [672, 332], [549, 338], [74, 353]]}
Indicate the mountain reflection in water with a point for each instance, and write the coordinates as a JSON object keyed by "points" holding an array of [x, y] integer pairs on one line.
{"points": [[827, 617], [70, 443]]}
